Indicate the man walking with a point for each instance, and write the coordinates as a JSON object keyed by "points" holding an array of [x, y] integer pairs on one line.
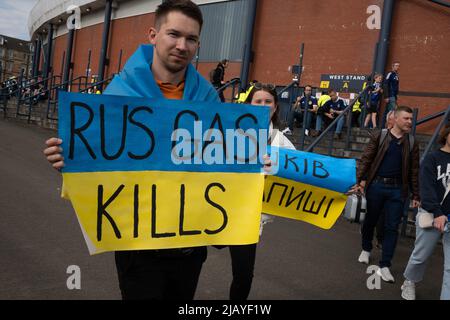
{"points": [[388, 171], [218, 77]]}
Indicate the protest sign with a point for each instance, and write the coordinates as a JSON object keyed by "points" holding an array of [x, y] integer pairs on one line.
{"points": [[153, 174], [308, 186]]}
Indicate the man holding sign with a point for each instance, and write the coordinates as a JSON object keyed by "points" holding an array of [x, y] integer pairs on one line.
{"points": [[160, 70]]}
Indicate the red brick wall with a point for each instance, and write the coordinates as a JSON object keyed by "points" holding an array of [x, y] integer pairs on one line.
{"points": [[127, 34], [420, 40], [60, 46], [336, 39], [335, 36]]}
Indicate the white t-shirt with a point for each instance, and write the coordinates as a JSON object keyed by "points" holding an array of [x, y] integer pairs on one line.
{"points": [[278, 140]]}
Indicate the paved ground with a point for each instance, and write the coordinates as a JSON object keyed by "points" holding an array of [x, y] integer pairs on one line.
{"points": [[40, 237]]}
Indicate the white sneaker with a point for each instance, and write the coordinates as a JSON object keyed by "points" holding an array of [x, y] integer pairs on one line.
{"points": [[385, 275], [287, 131], [364, 257], [408, 290]]}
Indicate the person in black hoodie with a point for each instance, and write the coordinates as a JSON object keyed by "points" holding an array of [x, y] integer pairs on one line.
{"points": [[218, 76], [434, 187]]}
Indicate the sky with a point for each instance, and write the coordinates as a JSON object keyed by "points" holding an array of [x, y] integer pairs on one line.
{"points": [[14, 18]]}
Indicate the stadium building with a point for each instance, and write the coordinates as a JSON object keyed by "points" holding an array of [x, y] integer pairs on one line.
{"points": [[346, 40]]}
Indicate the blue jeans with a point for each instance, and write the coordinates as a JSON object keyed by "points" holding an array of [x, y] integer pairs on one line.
{"points": [[391, 104], [319, 121], [426, 240], [339, 124], [389, 198], [389, 107]]}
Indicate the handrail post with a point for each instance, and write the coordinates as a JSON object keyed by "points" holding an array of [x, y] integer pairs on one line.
{"points": [[349, 129], [436, 133], [68, 62], [414, 121], [19, 91], [304, 122], [105, 39], [88, 68], [48, 62]]}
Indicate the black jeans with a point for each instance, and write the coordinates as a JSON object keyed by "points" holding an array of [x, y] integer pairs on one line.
{"points": [[221, 96], [243, 264], [299, 115], [168, 274], [388, 198]]}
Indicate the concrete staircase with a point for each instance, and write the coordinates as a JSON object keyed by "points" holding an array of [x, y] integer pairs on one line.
{"points": [[358, 140], [38, 113]]}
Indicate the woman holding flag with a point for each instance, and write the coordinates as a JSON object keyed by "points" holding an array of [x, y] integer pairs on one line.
{"points": [[243, 256]]}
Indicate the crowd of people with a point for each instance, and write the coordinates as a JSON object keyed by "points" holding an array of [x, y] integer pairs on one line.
{"points": [[315, 114], [387, 174], [29, 91], [8, 88]]}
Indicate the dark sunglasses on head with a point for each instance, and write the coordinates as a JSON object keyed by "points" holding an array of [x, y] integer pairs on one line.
{"points": [[267, 86]]}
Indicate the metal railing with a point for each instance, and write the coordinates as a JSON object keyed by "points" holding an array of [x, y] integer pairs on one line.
{"points": [[4, 101], [347, 112], [53, 103], [50, 93], [233, 83], [95, 84], [290, 85], [431, 117], [285, 116], [445, 119], [31, 99]]}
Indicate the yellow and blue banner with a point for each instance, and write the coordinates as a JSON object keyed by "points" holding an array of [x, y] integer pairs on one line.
{"points": [[156, 173], [307, 186]]}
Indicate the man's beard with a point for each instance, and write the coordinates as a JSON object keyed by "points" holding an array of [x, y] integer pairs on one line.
{"points": [[175, 67]]}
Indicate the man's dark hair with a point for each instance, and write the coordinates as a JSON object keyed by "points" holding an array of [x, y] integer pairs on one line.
{"points": [[443, 135], [186, 7], [404, 109]]}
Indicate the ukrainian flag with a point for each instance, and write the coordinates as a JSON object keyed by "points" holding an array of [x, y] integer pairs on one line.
{"points": [[307, 186], [134, 184]]}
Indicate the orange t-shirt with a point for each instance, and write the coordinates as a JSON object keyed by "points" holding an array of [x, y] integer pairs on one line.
{"points": [[171, 91]]}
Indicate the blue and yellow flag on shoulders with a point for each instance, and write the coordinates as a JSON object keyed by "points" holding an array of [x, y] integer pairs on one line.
{"points": [[156, 173]]}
